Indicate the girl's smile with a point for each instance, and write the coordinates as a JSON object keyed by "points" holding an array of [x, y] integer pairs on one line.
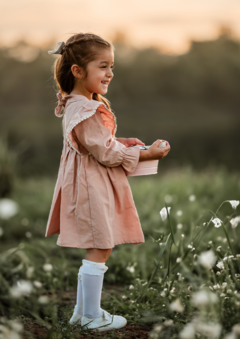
{"points": [[99, 75]]}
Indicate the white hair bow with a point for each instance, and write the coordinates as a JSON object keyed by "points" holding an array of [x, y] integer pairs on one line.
{"points": [[57, 49]]}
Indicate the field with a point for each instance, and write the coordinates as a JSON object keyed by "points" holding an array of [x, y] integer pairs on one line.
{"points": [[183, 282]]}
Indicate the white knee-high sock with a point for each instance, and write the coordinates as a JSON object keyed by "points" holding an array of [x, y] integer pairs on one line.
{"points": [[79, 305], [92, 281]]}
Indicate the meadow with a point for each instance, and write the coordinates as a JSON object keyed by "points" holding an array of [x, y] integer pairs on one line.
{"points": [[183, 282]]}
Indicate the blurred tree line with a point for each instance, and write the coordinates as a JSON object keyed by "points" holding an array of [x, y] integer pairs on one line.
{"points": [[192, 100]]}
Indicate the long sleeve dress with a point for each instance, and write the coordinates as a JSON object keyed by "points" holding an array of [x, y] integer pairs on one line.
{"points": [[92, 204]]}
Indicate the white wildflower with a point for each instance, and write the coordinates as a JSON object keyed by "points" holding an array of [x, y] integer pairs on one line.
{"points": [[124, 297], [37, 284], [163, 213], [47, 267], [190, 246], [188, 332], [209, 330], [192, 197], [179, 226], [217, 222], [176, 306], [207, 259], [203, 298], [155, 331], [220, 265], [22, 288], [234, 203], [15, 325], [230, 335], [168, 322], [218, 248], [234, 222], [131, 287], [163, 294], [179, 260], [8, 208], [179, 213], [131, 269], [43, 299]]}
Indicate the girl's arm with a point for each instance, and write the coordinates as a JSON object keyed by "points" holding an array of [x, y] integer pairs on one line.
{"points": [[98, 140], [130, 141]]}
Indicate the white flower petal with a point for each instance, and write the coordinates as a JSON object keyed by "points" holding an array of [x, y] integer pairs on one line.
{"points": [[163, 213], [234, 203]]}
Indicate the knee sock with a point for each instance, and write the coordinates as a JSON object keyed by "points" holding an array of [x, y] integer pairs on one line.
{"points": [[92, 280], [79, 306]]}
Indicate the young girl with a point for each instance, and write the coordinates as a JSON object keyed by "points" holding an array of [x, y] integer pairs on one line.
{"points": [[92, 204]]}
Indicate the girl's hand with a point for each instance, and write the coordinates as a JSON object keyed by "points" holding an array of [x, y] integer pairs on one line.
{"points": [[130, 141], [154, 152]]}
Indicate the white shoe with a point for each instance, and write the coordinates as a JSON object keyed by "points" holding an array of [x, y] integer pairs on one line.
{"points": [[106, 322], [76, 319]]}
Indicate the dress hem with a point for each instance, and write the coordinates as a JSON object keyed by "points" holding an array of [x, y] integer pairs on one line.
{"points": [[101, 248]]}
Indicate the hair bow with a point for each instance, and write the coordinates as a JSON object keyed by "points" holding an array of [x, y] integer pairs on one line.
{"points": [[57, 49], [61, 103]]}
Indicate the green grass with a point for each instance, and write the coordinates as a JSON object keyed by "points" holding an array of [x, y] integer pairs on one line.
{"points": [[151, 275]]}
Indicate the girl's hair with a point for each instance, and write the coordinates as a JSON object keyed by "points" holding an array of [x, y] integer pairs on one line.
{"points": [[79, 49]]}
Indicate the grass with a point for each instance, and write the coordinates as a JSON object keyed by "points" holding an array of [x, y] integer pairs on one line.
{"points": [[149, 277]]}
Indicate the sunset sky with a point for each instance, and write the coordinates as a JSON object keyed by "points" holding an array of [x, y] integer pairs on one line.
{"points": [[165, 24]]}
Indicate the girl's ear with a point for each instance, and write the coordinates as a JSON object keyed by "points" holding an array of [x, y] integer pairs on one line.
{"points": [[77, 71]]}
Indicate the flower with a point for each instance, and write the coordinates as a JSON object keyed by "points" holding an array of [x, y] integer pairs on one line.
{"points": [[43, 299], [217, 222], [220, 265], [179, 213], [131, 269], [22, 288], [234, 203], [207, 259], [179, 226], [8, 208], [37, 284], [176, 306], [47, 267], [192, 197], [131, 287], [203, 298], [209, 330], [163, 213], [234, 222], [188, 332]]}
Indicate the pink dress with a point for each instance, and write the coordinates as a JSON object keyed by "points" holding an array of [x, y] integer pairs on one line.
{"points": [[92, 204]]}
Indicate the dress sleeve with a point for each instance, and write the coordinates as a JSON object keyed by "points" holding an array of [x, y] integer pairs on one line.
{"points": [[98, 140]]}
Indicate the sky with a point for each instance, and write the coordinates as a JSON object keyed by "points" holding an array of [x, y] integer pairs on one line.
{"points": [[169, 25]]}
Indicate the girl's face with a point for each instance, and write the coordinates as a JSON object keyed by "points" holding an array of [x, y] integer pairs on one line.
{"points": [[99, 72]]}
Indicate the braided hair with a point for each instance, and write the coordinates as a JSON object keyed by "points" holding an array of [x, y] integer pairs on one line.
{"points": [[79, 49]]}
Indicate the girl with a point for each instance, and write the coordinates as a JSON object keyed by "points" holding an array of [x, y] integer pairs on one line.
{"points": [[92, 204]]}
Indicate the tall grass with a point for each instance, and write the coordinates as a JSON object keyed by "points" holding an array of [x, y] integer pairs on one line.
{"points": [[185, 278]]}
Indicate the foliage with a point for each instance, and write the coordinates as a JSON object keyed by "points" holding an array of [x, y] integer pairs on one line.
{"points": [[191, 100], [161, 280]]}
